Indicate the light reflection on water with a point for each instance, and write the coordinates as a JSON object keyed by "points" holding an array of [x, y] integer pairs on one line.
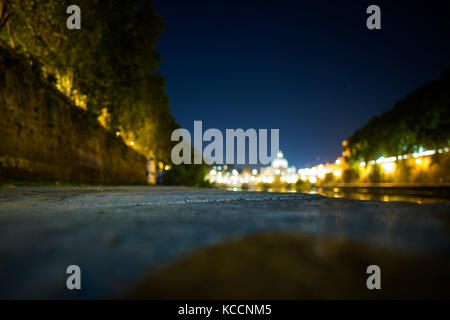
{"points": [[367, 194], [379, 195]]}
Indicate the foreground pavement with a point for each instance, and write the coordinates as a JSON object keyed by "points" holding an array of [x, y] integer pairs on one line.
{"points": [[122, 237]]}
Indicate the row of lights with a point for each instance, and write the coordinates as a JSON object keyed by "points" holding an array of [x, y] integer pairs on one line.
{"points": [[388, 163], [311, 174], [319, 172], [235, 178]]}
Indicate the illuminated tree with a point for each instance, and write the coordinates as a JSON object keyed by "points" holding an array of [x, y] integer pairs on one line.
{"points": [[420, 120], [109, 66]]}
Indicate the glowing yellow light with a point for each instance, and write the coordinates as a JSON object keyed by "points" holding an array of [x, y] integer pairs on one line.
{"points": [[362, 164], [283, 178], [131, 143], [117, 133], [277, 171], [338, 161], [235, 173], [213, 172], [388, 167], [167, 167], [312, 179], [418, 161], [321, 172], [254, 172], [337, 173]]}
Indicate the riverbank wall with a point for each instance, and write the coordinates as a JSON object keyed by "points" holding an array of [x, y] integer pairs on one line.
{"points": [[45, 137]]}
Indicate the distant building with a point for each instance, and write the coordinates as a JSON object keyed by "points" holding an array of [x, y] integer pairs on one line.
{"points": [[279, 169]]}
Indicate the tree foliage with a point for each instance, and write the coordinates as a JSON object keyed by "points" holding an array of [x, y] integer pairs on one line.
{"points": [[111, 62], [192, 175], [420, 120]]}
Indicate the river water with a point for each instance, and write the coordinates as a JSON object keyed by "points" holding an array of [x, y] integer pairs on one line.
{"points": [[416, 195]]}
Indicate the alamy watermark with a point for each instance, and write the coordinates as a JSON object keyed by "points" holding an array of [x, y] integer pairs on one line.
{"points": [[74, 20], [213, 153], [374, 280], [374, 20], [74, 280]]}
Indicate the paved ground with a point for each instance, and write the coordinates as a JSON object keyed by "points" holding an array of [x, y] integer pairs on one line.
{"points": [[118, 235]]}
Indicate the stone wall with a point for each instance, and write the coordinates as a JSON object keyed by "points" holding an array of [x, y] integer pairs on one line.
{"points": [[43, 136]]}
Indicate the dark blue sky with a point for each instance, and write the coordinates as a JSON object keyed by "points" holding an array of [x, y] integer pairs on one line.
{"points": [[310, 68]]}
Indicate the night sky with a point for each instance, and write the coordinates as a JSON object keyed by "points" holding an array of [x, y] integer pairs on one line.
{"points": [[310, 68]]}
